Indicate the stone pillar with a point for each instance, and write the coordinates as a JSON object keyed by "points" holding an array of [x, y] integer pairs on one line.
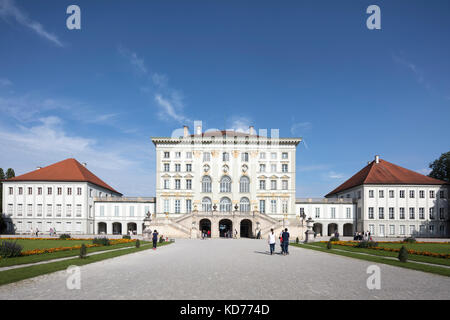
{"points": [[124, 228], [215, 228], [109, 228], [139, 228], [340, 229]]}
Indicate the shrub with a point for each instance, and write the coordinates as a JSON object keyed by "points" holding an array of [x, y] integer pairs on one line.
{"points": [[83, 251], [161, 239], [297, 240], [334, 239], [403, 254], [409, 240], [64, 236], [138, 243], [9, 249], [366, 244], [126, 237], [101, 241], [329, 245]]}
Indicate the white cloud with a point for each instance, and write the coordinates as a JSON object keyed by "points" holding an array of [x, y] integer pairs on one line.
{"points": [[133, 59], [334, 175], [5, 82], [239, 123], [9, 9], [300, 127]]}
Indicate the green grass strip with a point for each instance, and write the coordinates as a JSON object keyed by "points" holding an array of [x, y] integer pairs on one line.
{"points": [[14, 275], [380, 259]]}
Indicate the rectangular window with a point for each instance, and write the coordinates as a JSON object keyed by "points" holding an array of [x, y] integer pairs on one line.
{"points": [[402, 194], [370, 193], [102, 211], [178, 155], [11, 190], [381, 193], [391, 194], [225, 156], [49, 210], [421, 213], [188, 205], [189, 155], [411, 213], [206, 156], [284, 184], [359, 194], [284, 168], [273, 206], [166, 205], [371, 213], [273, 155], [262, 206], [58, 210], [166, 184], [262, 184], [20, 190], [78, 212], [333, 213], [273, 168], [441, 194], [284, 155], [19, 210], [131, 211], [116, 211], [59, 191], [262, 155], [79, 191], [188, 184], [402, 230], [391, 230], [68, 210], [421, 194], [317, 212], [381, 230], [188, 167], [30, 190], [348, 213], [402, 213], [39, 190], [166, 154], [244, 157], [177, 206], [284, 206], [39, 210], [391, 213], [412, 229], [372, 229], [262, 168], [177, 184], [69, 191], [380, 213], [441, 213], [411, 194], [431, 213], [177, 167], [49, 191], [166, 167], [273, 184], [29, 210], [432, 194]]}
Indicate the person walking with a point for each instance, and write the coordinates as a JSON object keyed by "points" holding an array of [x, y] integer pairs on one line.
{"points": [[155, 239], [281, 241], [209, 234], [271, 239], [285, 238]]}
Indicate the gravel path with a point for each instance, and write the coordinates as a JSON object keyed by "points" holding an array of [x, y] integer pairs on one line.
{"points": [[231, 269]]}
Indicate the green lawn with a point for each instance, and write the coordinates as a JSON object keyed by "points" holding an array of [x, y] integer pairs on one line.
{"points": [[55, 255], [378, 258], [430, 247], [14, 275], [45, 244]]}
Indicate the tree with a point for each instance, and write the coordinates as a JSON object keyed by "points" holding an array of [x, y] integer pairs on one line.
{"points": [[440, 168], [10, 173], [2, 176]]}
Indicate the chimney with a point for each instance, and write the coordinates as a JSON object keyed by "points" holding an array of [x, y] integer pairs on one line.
{"points": [[186, 131], [198, 127], [252, 130], [377, 159], [84, 164]]}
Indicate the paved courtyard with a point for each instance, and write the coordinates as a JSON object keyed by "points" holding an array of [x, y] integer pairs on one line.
{"points": [[231, 269]]}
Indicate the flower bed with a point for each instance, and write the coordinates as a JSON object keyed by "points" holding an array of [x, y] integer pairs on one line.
{"points": [[411, 251]]}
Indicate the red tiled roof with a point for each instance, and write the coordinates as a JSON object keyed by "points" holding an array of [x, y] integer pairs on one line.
{"points": [[385, 173], [66, 170]]}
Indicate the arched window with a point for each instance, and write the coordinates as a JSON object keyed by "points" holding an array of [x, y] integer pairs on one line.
{"points": [[206, 204], [225, 184], [225, 205], [244, 205], [206, 184], [244, 184]]}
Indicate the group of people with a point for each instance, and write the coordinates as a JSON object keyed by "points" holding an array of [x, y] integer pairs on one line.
{"points": [[206, 234], [366, 236], [284, 241]]}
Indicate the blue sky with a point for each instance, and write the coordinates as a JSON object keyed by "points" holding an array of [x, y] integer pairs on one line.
{"points": [[138, 69]]}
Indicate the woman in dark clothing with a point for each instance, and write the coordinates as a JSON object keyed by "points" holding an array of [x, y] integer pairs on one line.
{"points": [[155, 239]]}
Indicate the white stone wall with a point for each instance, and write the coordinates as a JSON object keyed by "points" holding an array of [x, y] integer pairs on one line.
{"points": [[24, 209]]}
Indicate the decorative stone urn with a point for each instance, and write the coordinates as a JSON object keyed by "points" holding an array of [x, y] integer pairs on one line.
{"points": [[309, 230], [147, 222]]}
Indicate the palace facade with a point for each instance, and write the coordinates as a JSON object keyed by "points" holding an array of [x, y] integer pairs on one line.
{"points": [[230, 183]]}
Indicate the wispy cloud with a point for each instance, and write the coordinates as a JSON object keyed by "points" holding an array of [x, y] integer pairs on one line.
{"points": [[240, 124], [8, 9], [170, 102], [424, 171], [300, 127], [334, 175], [417, 73]]}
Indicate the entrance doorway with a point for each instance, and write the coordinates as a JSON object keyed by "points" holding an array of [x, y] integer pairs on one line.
{"points": [[205, 226], [246, 229], [117, 228], [225, 228]]}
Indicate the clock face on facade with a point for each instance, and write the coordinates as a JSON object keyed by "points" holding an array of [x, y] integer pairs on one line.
{"points": [[244, 168], [206, 168]]}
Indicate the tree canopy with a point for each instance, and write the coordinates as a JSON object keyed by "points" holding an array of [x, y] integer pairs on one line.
{"points": [[440, 168]]}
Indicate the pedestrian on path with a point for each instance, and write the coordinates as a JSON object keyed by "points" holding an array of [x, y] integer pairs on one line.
{"points": [[209, 233], [285, 238], [271, 241], [281, 241], [155, 239]]}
